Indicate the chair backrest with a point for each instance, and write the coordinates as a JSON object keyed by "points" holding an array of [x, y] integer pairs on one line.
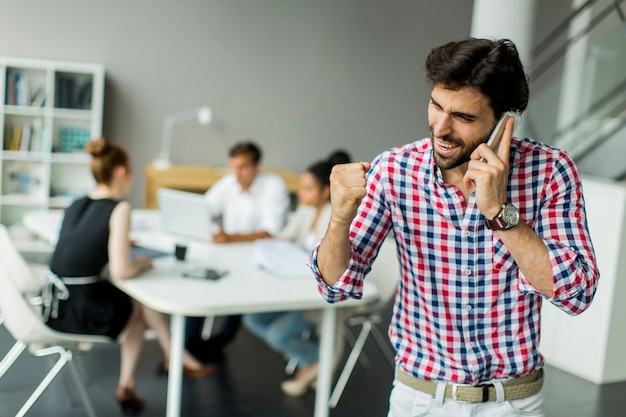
{"points": [[25, 324], [19, 317], [25, 280], [385, 273]]}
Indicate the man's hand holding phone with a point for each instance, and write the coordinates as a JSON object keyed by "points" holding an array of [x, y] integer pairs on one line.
{"points": [[488, 169], [498, 132]]}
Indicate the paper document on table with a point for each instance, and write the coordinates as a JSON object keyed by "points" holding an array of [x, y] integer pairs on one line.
{"points": [[281, 257]]}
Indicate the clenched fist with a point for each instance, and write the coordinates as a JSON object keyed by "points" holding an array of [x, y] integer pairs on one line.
{"points": [[347, 189]]}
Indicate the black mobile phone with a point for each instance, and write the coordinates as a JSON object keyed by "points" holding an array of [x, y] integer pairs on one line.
{"points": [[204, 273]]}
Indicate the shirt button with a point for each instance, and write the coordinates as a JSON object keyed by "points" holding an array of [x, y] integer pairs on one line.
{"points": [[466, 233], [468, 307], [470, 344], [468, 272]]}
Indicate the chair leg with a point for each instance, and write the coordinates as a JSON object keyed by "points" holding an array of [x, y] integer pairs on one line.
{"points": [[82, 392], [350, 363], [207, 327], [66, 383], [384, 346], [10, 358], [358, 321], [64, 356]]}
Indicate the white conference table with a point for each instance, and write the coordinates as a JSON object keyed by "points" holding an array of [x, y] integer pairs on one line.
{"points": [[244, 289]]}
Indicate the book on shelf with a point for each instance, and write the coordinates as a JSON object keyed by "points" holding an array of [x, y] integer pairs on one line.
{"points": [[36, 136], [39, 98], [8, 132], [25, 137], [10, 89], [84, 96], [66, 92], [15, 138], [18, 90], [22, 89]]}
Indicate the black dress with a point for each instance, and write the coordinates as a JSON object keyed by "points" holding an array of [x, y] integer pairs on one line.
{"points": [[98, 308]]}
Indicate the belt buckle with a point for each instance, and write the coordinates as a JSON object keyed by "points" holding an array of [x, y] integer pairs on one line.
{"points": [[455, 397]]}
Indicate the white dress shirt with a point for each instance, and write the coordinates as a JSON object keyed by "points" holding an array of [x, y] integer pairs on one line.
{"points": [[261, 208]]}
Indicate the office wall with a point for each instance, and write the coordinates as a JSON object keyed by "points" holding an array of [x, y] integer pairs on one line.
{"points": [[301, 77]]}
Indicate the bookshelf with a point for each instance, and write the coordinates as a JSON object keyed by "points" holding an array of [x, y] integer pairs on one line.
{"points": [[48, 111]]}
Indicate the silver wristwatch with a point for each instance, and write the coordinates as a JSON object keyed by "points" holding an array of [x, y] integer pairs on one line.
{"points": [[507, 218]]}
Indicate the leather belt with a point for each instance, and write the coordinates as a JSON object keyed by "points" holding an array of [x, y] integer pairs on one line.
{"points": [[514, 389]]}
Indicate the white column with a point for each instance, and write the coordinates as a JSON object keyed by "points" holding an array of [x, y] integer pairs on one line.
{"points": [[511, 19]]}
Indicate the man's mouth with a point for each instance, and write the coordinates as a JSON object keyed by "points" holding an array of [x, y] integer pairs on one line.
{"points": [[445, 148]]}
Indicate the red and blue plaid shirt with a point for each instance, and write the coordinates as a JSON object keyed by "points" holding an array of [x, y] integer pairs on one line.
{"points": [[464, 312]]}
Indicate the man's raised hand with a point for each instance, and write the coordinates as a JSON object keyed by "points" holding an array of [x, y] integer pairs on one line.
{"points": [[347, 189]]}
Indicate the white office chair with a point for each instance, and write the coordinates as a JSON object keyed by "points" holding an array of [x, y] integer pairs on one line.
{"points": [[31, 278], [386, 274], [24, 323]]}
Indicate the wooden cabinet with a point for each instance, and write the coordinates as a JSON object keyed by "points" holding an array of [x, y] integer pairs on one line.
{"points": [[197, 179]]}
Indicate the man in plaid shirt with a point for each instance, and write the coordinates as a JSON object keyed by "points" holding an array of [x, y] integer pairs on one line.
{"points": [[484, 235]]}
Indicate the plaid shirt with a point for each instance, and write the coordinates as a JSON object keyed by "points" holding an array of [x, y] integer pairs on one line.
{"points": [[464, 312]]}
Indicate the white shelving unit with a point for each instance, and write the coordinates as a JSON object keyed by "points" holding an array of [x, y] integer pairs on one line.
{"points": [[48, 111]]}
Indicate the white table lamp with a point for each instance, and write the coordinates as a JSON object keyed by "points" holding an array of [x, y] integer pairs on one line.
{"points": [[203, 114]]}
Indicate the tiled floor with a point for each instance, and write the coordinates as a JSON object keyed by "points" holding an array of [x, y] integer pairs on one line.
{"points": [[247, 385]]}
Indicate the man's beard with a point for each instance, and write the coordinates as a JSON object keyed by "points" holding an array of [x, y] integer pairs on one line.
{"points": [[460, 157]]}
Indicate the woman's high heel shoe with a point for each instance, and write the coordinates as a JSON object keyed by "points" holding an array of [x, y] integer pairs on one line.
{"points": [[298, 386], [130, 402]]}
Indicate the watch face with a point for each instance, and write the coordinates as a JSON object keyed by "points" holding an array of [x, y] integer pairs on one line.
{"points": [[510, 215]]}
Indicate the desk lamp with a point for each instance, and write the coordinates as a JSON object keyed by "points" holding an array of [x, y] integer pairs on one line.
{"points": [[202, 114]]}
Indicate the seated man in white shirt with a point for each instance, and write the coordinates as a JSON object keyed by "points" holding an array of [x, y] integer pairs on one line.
{"points": [[252, 205]]}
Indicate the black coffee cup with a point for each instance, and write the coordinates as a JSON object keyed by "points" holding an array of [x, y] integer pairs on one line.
{"points": [[180, 251]]}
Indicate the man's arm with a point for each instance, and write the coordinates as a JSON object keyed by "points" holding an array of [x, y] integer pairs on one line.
{"points": [[570, 281], [347, 189]]}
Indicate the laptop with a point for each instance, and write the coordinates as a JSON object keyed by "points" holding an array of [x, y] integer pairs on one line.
{"points": [[185, 214]]}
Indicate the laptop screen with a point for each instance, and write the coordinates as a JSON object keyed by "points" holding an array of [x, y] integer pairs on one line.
{"points": [[185, 214]]}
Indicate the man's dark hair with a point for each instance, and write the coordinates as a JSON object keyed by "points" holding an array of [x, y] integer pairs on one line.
{"points": [[246, 148], [491, 67]]}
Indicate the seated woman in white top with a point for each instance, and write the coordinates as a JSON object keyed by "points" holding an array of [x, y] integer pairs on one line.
{"points": [[283, 330]]}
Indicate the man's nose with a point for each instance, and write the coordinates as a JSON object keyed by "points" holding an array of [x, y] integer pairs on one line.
{"points": [[443, 126]]}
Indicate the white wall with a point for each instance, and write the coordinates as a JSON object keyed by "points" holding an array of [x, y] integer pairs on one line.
{"points": [[592, 345], [301, 77]]}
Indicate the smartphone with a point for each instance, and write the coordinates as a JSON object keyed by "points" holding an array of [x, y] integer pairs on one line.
{"points": [[499, 129], [204, 273]]}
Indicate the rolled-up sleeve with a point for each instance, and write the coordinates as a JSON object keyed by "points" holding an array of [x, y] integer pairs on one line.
{"points": [[562, 224], [367, 232]]}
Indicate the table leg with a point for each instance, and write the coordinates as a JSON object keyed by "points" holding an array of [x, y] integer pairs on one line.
{"points": [[324, 377], [175, 375]]}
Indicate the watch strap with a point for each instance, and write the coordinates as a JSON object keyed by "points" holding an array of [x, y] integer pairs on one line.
{"points": [[497, 223]]}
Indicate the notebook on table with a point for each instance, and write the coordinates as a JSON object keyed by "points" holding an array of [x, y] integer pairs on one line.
{"points": [[185, 214]]}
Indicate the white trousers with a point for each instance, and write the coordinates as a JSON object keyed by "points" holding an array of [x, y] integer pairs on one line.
{"points": [[408, 402]]}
